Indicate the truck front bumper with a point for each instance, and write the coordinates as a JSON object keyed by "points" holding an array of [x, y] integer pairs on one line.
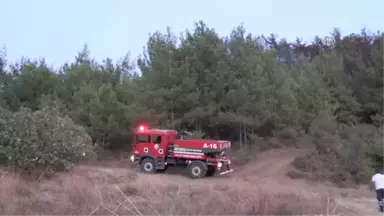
{"points": [[225, 168], [226, 172]]}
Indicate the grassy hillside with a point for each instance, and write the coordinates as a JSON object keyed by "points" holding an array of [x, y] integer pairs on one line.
{"points": [[113, 188]]}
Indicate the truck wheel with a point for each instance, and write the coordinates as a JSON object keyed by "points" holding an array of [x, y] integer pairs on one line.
{"points": [[211, 171], [148, 165], [196, 170]]}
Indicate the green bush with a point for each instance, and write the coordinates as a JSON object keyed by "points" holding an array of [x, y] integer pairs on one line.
{"points": [[349, 155], [42, 139]]}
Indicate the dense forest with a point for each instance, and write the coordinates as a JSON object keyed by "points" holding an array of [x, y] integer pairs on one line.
{"points": [[241, 87]]}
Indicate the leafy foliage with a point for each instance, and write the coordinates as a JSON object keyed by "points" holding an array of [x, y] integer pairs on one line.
{"points": [[42, 138], [238, 87]]}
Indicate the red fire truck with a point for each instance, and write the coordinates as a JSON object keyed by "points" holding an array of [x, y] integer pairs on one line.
{"points": [[155, 149]]}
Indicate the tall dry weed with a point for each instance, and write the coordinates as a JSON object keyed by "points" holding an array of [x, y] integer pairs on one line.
{"points": [[89, 191]]}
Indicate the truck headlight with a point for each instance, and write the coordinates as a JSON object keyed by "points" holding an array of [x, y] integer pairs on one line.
{"points": [[219, 165], [132, 158]]}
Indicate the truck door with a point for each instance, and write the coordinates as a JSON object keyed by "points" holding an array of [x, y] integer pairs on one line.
{"points": [[142, 143], [158, 147]]}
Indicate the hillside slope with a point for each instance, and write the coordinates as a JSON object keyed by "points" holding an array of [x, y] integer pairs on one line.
{"points": [[259, 187]]}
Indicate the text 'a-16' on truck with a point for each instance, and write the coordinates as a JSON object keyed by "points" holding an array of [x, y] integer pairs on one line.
{"points": [[154, 150]]}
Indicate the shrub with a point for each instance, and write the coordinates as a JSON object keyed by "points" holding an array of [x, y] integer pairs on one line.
{"points": [[42, 139], [349, 155]]}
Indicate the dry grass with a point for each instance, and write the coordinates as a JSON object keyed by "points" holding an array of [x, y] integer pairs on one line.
{"points": [[90, 190]]}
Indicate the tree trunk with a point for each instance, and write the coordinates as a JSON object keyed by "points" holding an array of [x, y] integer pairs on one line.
{"points": [[240, 135], [197, 125], [173, 119], [245, 134]]}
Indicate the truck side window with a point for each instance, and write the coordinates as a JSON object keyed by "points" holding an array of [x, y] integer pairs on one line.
{"points": [[156, 139], [142, 139]]}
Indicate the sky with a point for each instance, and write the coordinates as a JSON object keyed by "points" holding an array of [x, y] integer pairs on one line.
{"points": [[57, 29]]}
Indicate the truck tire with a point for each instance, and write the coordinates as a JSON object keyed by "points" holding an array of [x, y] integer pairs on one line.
{"points": [[211, 171], [148, 165], [196, 170]]}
